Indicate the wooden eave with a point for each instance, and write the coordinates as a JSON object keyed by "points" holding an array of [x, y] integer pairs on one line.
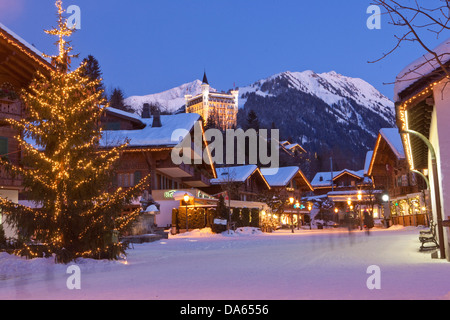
{"points": [[18, 63]]}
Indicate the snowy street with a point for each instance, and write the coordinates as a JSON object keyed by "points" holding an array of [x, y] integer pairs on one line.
{"points": [[310, 264]]}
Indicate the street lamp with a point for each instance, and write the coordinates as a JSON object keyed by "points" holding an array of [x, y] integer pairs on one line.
{"points": [[186, 200], [360, 210], [336, 211], [298, 214]]}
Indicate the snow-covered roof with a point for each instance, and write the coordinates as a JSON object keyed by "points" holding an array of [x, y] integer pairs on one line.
{"points": [[323, 179], [234, 174], [394, 140], [421, 68], [181, 124], [279, 177], [292, 146], [23, 42], [369, 156], [123, 113]]}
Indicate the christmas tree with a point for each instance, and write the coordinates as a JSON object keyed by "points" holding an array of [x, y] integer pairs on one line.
{"points": [[65, 172]]}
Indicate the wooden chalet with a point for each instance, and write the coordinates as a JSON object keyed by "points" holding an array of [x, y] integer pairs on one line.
{"points": [[344, 180], [422, 101], [289, 183], [243, 183], [19, 63], [389, 171], [149, 152], [351, 191]]}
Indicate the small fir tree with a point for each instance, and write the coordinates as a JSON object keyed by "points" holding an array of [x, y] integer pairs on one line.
{"points": [[117, 100], [91, 69], [65, 171], [253, 121]]}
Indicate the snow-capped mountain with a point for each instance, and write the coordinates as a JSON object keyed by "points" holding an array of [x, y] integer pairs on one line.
{"points": [[333, 88], [326, 113], [169, 101]]}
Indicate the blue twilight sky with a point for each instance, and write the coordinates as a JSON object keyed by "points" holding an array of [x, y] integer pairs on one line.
{"points": [[147, 46]]}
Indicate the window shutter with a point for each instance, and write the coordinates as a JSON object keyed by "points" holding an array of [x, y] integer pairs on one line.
{"points": [[137, 177], [3, 147]]}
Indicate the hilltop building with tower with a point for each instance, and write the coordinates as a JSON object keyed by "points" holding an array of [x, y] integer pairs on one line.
{"points": [[219, 108]]}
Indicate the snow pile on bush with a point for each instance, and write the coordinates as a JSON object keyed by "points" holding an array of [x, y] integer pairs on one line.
{"points": [[244, 231], [12, 266], [208, 233]]}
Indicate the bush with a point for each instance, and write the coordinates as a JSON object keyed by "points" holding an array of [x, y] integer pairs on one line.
{"points": [[245, 214], [2, 237], [198, 218], [254, 221]]}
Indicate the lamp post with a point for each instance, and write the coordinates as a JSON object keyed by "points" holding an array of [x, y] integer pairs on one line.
{"points": [[437, 191], [336, 211], [291, 201], [309, 209], [298, 214], [186, 200]]}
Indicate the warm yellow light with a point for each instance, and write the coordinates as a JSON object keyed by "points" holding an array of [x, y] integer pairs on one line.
{"points": [[359, 196], [336, 210], [186, 198], [291, 200], [349, 201]]}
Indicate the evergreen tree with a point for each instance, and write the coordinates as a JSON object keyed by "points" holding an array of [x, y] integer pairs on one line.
{"points": [[91, 69], [117, 100], [252, 120], [65, 171]]}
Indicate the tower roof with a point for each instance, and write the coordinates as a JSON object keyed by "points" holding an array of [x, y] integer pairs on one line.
{"points": [[205, 79]]}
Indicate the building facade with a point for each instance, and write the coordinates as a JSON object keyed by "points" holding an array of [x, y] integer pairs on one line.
{"points": [[423, 117], [149, 152], [219, 108], [19, 62], [290, 185], [408, 198]]}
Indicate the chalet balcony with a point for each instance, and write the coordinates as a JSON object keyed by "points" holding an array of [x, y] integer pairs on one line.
{"points": [[402, 191], [198, 180], [10, 109], [170, 169], [6, 181]]}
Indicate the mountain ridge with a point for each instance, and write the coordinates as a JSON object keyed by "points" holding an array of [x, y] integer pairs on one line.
{"points": [[327, 113]]}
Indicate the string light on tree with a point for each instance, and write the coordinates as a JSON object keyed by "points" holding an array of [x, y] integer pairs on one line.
{"points": [[65, 171]]}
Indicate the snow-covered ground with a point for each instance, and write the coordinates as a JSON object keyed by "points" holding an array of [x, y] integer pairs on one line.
{"points": [[247, 265]]}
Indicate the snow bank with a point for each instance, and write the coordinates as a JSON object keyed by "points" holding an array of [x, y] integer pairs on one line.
{"points": [[12, 266], [245, 231], [208, 233], [244, 265]]}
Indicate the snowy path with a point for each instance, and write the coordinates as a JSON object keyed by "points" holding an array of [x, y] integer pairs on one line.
{"points": [[316, 264]]}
